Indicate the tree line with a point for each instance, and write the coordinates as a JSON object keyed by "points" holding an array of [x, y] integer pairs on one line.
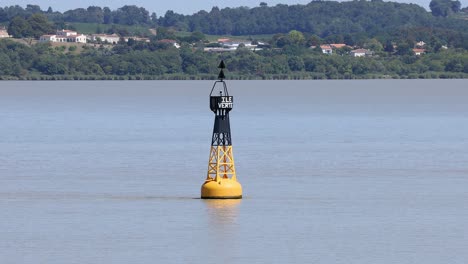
{"points": [[318, 17], [141, 60], [347, 21], [328, 19], [126, 15]]}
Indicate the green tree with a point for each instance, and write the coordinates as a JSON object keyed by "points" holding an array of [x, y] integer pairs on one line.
{"points": [[296, 37], [165, 33], [314, 40], [444, 8], [389, 47], [132, 15], [5, 64], [95, 15], [19, 28], [296, 63], [197, 36], [455, 65], [404, 48], [33, 9], [107, 16], [374, 45], [39, 25], [49, 65], [280, 40], [76, 15], [154, 18]]}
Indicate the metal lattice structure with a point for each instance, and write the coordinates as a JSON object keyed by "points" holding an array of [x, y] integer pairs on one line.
{"points": [[221, 163]]}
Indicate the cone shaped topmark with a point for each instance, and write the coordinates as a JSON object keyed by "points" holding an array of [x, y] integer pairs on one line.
{"points": [[222, 65]]}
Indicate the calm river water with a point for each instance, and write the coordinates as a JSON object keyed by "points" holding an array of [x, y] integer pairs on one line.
{"points": [[344, 172]]}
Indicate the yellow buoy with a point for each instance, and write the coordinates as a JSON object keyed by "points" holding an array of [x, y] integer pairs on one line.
{"points": [[221, 180], [223, 189]]}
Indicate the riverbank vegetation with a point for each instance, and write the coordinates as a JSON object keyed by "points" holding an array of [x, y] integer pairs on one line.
{"points": [[147, 61]]}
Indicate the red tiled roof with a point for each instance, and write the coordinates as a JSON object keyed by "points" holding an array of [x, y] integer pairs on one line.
{"points": [[338, 45]]}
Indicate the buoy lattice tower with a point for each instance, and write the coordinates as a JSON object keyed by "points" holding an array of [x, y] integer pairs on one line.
{"points": [[221, 180]]}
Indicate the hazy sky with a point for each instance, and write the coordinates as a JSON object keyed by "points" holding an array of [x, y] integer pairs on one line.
{"points": [[179, 6]]}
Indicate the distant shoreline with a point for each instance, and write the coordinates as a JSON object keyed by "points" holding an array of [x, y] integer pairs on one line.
{"points": [[424, 76]]}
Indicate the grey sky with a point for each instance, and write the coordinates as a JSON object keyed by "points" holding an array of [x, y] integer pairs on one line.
{"points": [[179, 6]]}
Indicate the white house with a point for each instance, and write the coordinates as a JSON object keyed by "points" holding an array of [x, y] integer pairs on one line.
{"points": [[361, 53], [326, 49], [53, 38], [112, 39], [338, 45], [419, 52], [48, 38], [4, 33], [420, 44], [64, 36], [234, 44], [77, 38], [147, 40], [216, 49]]}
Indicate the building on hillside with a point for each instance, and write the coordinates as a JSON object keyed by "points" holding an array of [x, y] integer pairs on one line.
{"points": [[326, 49], [64, 36], [53, 38], [235, 44], [216, 49], [111, 39], [4, 33], [338, 45], [419, 52], [77, 38], [420, 44], [361, 53], [147, 40], [48, 38]]}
